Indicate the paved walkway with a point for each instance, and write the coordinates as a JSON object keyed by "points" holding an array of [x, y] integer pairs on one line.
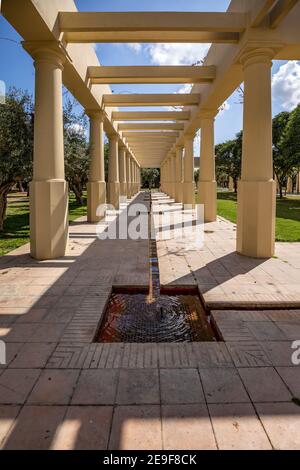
{"points": [[59, 390]]}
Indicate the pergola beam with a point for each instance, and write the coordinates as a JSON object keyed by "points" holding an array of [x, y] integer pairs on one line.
{"points": [[143, 100], [261, 10], [176, 126], [151, 135], [280, 11], [112, 27], [151, 74], [151, 116]]}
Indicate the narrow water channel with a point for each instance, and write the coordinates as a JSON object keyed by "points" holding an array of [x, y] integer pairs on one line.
{"points": [[153, 316]]}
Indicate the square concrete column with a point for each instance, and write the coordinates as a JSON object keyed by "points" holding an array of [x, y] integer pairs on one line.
{"points": [[230, 184], [113, 172], [173, 175], [133, 192], [257, 189], [128, 174], [48, 190], [122, 170], [188, 177], [207, 186], [178, 191], [96, 188]]}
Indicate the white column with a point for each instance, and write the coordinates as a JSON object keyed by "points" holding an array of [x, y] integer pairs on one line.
{"points": [[48, 190], [188, 177], [128, 174], [179, 155], [96, 187], [207, 187], [113, 173], [122, 170], [257, 189]]}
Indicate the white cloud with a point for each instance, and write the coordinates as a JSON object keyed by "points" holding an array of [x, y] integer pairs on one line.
{"points": [[286, 85], [135, 46], [177, 54]]}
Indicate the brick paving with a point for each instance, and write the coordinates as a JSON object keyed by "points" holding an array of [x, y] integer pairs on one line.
{"points": [[59, 390]]}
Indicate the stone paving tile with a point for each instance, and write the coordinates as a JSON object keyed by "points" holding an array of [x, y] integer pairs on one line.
{"points": [[20, 333], [180, 386], [135, 356], [35, 428], [136, 428], [59, 315], [240, 315], [187, 427], [282, 423], [96, 387], [32, 355], [54, 387], [290, 330], [264, 385], [284, 315], [266, 331], [223, 386], [291, 377], [237, 427], [84, 428], [33, 315], [48, 332], [12, 350], [140, 386], [235, 331], [175, 355], [248, 354], [8, 415], [211, 355], [16, 384], [279, 352]]}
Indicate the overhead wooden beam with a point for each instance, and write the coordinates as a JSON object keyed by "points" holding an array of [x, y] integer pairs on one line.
{"points": [[176, 126], [280, 11], [260, 11], [150, 135], [151, 74], [151, 116], [135, 100], [93, 27]]}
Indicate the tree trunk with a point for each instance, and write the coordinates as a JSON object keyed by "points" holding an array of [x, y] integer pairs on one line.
{"points": [[280, 191], [77, 190], [4, 190]]}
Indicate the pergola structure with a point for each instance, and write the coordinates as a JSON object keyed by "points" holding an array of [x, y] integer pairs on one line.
{"points": [[245, 40]]}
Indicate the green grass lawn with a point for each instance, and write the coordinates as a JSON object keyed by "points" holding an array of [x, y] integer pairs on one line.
{"points": [[16, 226], [287, 215]]}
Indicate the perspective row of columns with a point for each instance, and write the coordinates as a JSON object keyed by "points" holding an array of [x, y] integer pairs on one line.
{"points": [[49, 189], [256, 188]]}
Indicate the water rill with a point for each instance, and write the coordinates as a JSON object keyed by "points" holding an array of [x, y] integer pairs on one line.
{"points": [[161, 315]]}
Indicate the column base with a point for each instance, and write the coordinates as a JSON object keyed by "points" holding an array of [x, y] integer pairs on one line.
{"points": [[123, 189], [96, 196], [207, 191], [114, 195], [188, 193], [256, 218], [48, 219]]}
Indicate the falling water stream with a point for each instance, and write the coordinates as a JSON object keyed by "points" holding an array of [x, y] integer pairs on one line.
{"points": [[154, 317]]}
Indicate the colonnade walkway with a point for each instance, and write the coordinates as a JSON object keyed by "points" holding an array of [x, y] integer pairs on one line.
{"points": [[59, 390]]}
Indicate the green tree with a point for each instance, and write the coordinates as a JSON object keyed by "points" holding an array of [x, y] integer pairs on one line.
{"points": [[282, 164], [16, 143], [150, 178], [228, 159], [289, 144], [76, 151]]}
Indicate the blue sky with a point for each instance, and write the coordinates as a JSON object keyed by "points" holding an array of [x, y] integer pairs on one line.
{"points": [[17, 67]]}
